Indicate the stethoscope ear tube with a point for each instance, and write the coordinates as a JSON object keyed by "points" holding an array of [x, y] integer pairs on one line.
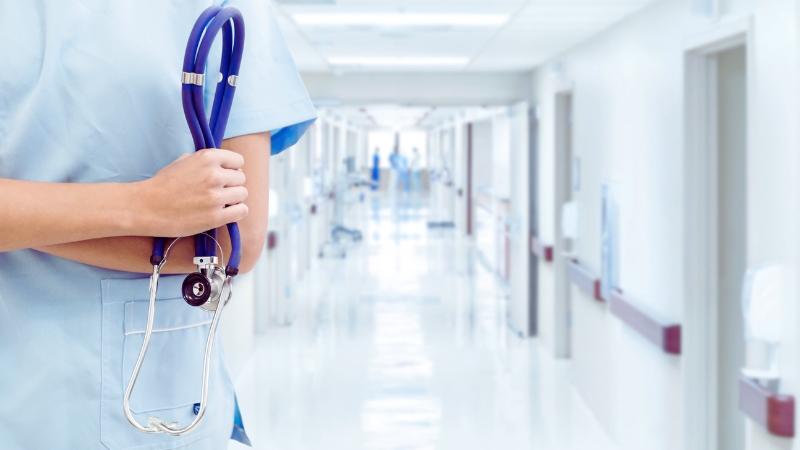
{"points": [[232, 268], [205, 134], [204, 32]]}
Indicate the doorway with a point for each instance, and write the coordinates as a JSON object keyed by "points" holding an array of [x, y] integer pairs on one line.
{"points": [[563, 195], [716, 239], [533, 219], [469, 179], [732, 239]]}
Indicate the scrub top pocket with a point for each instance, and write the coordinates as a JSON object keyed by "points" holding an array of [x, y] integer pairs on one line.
{"points": [[170, 380], [170, 376]]}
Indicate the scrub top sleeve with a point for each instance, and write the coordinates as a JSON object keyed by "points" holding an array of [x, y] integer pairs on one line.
{"points": [[270, 95]]}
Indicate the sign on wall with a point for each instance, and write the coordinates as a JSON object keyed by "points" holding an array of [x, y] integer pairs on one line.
{"points": [[609, 276]]}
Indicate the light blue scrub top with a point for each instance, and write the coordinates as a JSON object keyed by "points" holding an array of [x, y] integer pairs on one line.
{"points": [[90, 92]]}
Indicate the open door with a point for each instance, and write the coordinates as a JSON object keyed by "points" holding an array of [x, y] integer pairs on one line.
{"points": [[563, 195], [533, 218], [716, 246]]}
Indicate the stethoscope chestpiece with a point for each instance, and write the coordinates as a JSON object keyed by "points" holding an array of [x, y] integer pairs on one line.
{"points": [[196, 289], [204, 287]]}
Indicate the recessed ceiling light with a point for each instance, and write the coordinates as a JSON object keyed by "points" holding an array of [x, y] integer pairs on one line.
{"points": [[397, 61], [401, 19]]}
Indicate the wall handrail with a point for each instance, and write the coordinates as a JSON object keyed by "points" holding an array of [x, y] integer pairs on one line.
{"points": [[665, 335], [584, 280], [543, 252], [774, 412]]}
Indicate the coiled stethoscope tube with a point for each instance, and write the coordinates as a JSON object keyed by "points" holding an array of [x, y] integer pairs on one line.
{"points": [[210, 287]]}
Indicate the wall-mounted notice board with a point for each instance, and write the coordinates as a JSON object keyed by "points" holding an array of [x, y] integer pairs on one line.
{"points": [[610, 239]]}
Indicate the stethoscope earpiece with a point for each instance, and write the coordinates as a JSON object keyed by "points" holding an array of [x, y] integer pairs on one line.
{"points": [[210, 287]]}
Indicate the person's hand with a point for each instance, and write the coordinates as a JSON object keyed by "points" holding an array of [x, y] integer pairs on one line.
{"points": [[193, 194]]}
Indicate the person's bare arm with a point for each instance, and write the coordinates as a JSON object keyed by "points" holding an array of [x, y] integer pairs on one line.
{"points": [[33, 213], [132, 253]]}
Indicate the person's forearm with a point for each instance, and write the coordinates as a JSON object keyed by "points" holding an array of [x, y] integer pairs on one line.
{"points": [[34, 214], [132, 254], [126, 253], [198, 188]]}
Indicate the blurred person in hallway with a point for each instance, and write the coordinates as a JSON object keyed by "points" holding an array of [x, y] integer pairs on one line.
{"points": [[415, 170], [398, 179], [376, 170]]}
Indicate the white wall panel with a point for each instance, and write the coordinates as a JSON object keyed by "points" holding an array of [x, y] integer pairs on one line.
{"points": [[519, 192], [443, 89], [628, 86]]}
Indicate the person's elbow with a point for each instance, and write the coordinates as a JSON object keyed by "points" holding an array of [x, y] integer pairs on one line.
{"points": [[254, 235]]}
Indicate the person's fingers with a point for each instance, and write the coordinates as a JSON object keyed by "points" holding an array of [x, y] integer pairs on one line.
{"points": [[224, 158], [231, 178], [183, 156], [233, 213], [234, 195]]}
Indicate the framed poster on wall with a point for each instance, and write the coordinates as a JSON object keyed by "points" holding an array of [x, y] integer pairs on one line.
{"points": [[609, 271]]}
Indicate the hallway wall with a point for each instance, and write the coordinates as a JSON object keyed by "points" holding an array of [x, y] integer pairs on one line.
{"points": [[628, 87], [442, 89]]}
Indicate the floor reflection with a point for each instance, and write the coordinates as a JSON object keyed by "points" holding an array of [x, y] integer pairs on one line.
{"points": [[400, 410], [403, 345]]}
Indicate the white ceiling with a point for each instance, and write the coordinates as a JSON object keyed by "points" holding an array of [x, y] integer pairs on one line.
{"points": [[537, 30]]}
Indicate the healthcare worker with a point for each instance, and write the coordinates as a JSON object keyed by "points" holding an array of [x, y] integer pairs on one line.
{"points": [[376, 169], [95, 160], [415, 170]]}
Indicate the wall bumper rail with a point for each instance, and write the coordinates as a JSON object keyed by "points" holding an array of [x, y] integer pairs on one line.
{"points": [[584, 280], [772, 411], [665, 335], [543, 252]]}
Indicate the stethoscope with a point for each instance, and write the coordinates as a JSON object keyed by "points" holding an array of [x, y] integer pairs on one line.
{"points": [[210, 287]]}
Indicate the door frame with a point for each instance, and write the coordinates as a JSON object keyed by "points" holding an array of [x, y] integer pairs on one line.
{"points": [[469, 179], [701, 328], [562, 339], [533, 216]]}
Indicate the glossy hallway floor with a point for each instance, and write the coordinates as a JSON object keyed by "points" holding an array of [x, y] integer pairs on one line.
{"points": [[404, 345]]}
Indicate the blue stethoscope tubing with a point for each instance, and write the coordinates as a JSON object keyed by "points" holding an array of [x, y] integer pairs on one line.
{"points": [[206, 133]]}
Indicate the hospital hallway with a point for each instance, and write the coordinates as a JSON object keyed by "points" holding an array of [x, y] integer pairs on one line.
{"points": [[530, 224], [403, 344], [400, 225]]}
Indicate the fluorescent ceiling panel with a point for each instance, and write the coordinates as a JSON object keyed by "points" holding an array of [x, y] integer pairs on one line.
{"points": [[401, 19], [397, 61]]}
